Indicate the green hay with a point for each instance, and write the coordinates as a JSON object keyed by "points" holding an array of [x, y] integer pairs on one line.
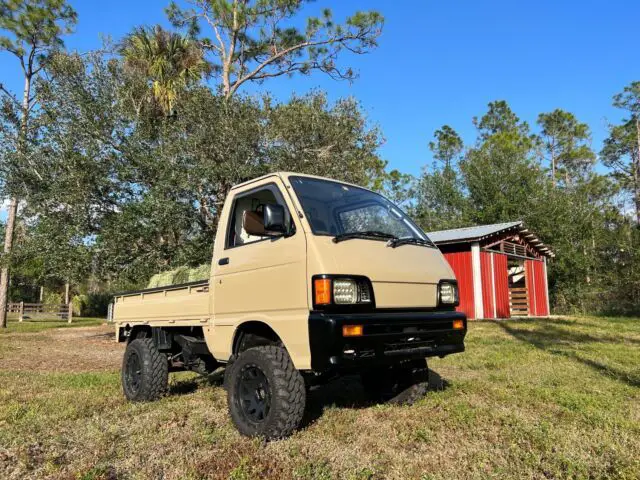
{"points": [[180, 275], [203, 272]]}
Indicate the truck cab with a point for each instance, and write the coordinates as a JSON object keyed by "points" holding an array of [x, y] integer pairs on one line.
{"points": [[311, 277]]}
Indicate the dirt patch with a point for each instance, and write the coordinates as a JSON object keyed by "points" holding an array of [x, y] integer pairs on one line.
{"points": [[82, 349]]}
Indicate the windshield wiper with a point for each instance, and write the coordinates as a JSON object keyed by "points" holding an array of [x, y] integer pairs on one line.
{"points": [[373, 234], [410, 241]]}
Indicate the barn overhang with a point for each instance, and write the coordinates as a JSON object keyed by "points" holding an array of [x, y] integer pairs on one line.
{"points": [[511, 238]]}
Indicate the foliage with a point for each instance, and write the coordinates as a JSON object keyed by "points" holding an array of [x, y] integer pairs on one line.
{"points": [[621, 151], [91, 304], [501, 178], [31, 32], [52, 298], [254, 40], [168, 60], [141, 192], [564, 140]]}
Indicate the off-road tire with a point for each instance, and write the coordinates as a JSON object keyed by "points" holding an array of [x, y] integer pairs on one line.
{"points": [[283, 384], [401, 384], [149, 380]]}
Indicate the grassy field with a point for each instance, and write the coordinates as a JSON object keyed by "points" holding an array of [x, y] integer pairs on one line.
{"points": [[553, 398]]}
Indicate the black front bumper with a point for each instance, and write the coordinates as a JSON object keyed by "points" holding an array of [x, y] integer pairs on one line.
{"points": [[388, 337]]}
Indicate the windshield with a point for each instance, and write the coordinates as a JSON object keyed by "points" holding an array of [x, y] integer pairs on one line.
{"points": [[336, 209]]}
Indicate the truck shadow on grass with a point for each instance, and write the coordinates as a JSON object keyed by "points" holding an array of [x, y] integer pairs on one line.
{"points": [[347, 392], [343, 392], [565, 343]]}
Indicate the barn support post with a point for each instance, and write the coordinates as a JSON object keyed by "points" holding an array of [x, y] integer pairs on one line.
{"points": [[493, 287], [477, 280], [546, 286]]}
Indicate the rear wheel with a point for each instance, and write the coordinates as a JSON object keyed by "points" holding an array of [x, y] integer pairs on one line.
{"points": [[145, 371], [266, 394], [401, 384]]}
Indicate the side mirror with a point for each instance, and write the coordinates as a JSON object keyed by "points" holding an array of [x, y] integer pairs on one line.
{"points": [[267, 222], [273, 218]]}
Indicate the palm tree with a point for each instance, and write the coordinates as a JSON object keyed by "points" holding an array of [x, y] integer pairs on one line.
{"points": [[169, 61]]}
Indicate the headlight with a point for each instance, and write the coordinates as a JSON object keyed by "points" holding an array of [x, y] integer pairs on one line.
{"points": [[341, 291], [345, 291], [448, 293]]}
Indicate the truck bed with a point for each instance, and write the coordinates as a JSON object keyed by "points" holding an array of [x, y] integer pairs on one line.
{"points": [[187, 303]]}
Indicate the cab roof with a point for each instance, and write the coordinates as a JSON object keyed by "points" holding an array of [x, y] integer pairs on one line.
{"points": [[286, 175]]}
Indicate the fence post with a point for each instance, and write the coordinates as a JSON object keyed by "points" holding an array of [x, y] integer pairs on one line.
{"points": [[70, 311], [21, 312]]}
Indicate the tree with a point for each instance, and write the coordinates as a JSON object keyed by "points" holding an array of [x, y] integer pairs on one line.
{"points": [[441, 203], [500, 172], [33, 30], [169, 61], [309, 135], [253, 42], [564, 140], [621, 151], [144, 199]]}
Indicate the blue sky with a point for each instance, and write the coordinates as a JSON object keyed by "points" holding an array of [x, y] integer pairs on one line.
{"points": [[441, 62]]}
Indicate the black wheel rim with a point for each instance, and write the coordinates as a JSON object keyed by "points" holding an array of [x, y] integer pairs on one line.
{"points": [[253, 394], [133, 373]]}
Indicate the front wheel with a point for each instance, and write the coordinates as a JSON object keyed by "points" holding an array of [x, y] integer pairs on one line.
{"points": [[145, 371], [265, 392], [401, 384]]}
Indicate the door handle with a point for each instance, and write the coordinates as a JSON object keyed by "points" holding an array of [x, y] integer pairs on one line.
{"points": [[223, 261]]}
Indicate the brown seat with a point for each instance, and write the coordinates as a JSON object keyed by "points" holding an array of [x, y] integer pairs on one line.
{"points": [[253, 224]]}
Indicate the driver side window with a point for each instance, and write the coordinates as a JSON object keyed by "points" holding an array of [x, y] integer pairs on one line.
{"points": [[250, 203]]}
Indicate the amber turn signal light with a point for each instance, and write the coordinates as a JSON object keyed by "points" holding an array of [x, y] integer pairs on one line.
{"points": [[322, 291], [458, 325], [352, 330]]}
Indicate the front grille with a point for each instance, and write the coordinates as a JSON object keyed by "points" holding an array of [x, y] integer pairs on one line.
{"points": [[409, 329]]}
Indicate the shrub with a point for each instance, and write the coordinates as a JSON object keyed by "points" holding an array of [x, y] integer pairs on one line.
{"points": [[52, 298], [91, 305]]}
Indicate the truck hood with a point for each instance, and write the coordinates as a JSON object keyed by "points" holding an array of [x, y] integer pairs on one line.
{"points": [[403, 277]]}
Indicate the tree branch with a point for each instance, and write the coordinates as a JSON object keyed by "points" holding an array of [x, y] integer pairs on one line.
{"points": [[282, 53], [9, 94]]}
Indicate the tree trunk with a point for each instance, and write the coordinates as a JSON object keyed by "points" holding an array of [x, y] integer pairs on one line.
{"points": [[4, 274], [13, 205], [66, 293], [636, 172]]}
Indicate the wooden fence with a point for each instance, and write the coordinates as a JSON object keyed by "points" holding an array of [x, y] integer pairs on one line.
{"points": [[42, 311]]}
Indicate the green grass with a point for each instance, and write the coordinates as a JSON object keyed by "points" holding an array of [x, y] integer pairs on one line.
{"points": [[537, 398], [38, 325]]}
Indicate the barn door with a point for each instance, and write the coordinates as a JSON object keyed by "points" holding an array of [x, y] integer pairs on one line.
{"points": [[518, 287], [501, 285]]}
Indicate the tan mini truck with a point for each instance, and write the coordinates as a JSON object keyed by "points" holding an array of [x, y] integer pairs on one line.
{"points": [[310, 279]]}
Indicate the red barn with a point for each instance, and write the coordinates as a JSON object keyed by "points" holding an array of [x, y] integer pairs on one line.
{"points": [[501, 269]]}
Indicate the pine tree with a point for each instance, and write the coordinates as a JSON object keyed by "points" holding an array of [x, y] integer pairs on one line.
{"points": [[33, 30]]}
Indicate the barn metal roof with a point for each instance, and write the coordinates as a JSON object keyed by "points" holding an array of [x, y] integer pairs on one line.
{"points": [[482, 232]]}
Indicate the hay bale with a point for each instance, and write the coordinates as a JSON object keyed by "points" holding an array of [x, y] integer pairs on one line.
{"points": [[203, 272], [180, 275], [162, 279]]}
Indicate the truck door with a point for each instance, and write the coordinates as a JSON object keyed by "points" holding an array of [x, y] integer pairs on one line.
{"points": [[262, 278]]}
